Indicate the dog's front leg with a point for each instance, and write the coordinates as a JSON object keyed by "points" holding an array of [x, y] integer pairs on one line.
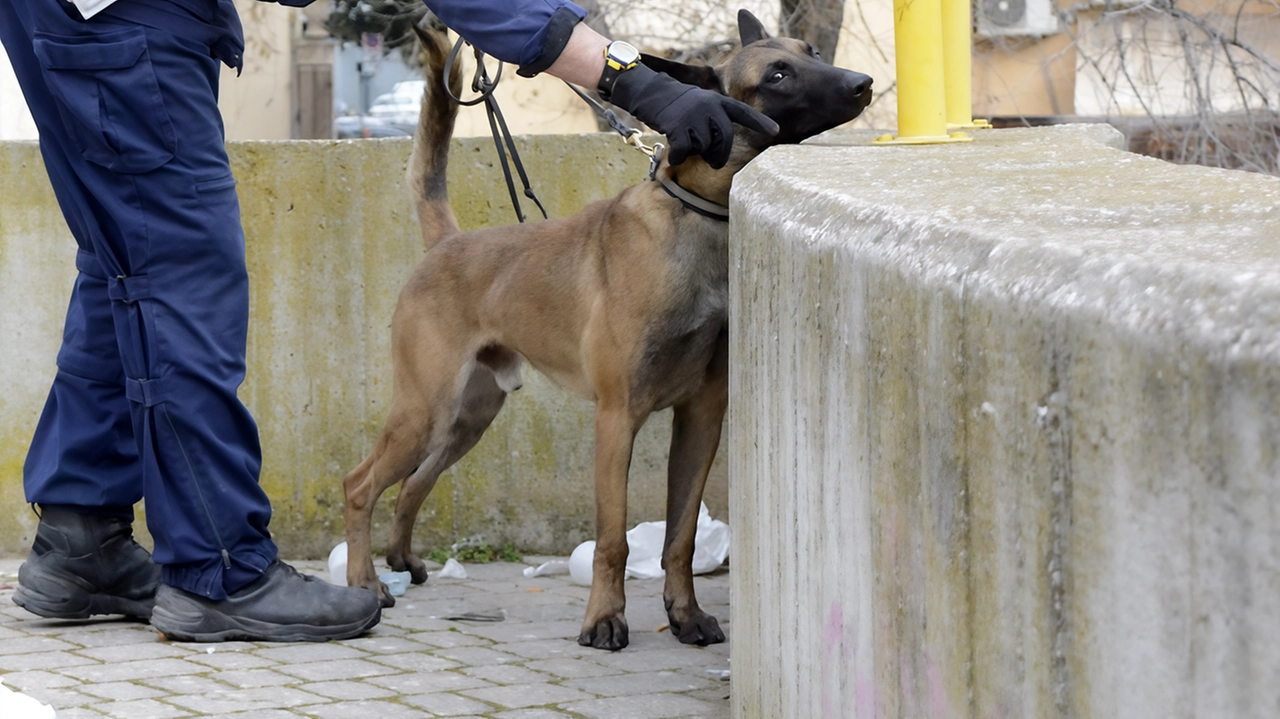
{"points": [[605, 626], [695, 436]]}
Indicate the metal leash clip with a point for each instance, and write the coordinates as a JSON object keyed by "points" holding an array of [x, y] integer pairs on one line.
{"points": [[655, 155], [630, 135], [633, 139]]}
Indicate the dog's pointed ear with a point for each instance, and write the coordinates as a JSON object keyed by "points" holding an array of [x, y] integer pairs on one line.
{"points": [[750, 29], [703, 76]]}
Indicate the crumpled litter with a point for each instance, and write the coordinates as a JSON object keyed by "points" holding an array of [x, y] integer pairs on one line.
{"points": [[644, 544], [546, 569], [496, 615], [452, 569], [397, 582], [338, 565]]}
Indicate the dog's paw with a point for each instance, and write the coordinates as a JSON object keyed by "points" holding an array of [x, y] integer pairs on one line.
{"points": [[410, 563], [383, 592], [698, 628], [370, 581], [609, 633]]}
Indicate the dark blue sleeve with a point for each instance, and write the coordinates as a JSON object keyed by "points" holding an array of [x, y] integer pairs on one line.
{"points": [[526, 33], [291, 3]]}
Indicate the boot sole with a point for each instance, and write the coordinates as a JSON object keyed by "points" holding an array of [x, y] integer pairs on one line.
{"points": [[193, 623], [68, 601]]}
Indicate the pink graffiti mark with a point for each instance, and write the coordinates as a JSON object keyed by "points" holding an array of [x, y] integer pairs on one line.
{"points": [[864, 689], [907, 682], [864, 698], [937, 690], [832, 661]]}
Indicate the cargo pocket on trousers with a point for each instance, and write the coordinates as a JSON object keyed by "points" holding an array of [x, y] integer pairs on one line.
{"points": [[216, 197], [209, 187], [109, 98]]}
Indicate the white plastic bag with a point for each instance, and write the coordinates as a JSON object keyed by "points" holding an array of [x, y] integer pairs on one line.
{"points": [[644, 545], [338, 565], [452, 569], [710, 544], [20, 706], [397, 582], [546, 569]]}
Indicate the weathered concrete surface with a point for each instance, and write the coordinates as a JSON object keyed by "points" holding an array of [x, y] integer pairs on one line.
{"points": [[331, 237], [1005, 432]]}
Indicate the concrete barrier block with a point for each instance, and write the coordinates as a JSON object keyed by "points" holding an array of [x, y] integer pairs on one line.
{"points": [[1004, 432]]}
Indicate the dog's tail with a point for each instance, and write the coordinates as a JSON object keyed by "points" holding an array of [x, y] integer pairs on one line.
{"points": [[431, 142]]}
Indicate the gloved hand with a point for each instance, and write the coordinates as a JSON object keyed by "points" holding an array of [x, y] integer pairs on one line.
{"points": [[695, 121]]}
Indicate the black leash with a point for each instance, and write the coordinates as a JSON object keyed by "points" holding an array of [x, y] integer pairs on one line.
{"points": [[497, 124], [609, 116], [630, 134], [481, 84], [692, 202]]}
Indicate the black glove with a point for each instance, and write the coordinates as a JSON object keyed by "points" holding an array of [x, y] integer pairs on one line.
{"points": [[695, 121]]}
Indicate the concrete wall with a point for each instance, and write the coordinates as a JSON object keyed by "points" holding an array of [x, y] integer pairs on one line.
{"points": [[331, 237], [1126, 57], [1005, 432], [1024, 77]]}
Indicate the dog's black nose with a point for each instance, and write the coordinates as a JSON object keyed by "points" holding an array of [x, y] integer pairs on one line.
{"points": [[860, 84]]}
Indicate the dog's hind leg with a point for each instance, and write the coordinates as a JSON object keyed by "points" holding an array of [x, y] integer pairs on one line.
{"points": [[481, 401], [401, 447], [695, 436]]}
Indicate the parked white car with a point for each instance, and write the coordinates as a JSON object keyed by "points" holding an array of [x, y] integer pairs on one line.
{"points": [[400, 107]]}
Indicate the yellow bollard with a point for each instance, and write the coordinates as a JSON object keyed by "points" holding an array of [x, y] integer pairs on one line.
{"points": [[957, 62], [922, 99]]}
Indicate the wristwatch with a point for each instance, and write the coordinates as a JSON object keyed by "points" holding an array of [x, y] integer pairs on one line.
{"points": [[619, 57]]}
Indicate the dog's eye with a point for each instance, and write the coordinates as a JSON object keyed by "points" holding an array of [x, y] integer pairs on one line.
{"points": [[777, 77]]}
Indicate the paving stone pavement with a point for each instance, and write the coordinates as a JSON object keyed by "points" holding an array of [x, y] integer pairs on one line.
{"points": [[415, 663]]}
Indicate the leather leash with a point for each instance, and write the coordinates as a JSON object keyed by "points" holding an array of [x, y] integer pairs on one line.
{"points": [[480, 83], [692, 202], [497, 126]]}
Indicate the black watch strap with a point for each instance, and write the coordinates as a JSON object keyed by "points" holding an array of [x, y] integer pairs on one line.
{"points": [[618, 58]]}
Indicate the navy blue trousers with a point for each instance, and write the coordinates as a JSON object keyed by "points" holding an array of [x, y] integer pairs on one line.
{"points": [[144, 403]]}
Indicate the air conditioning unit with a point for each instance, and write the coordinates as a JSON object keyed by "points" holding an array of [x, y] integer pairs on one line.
{"points": [[1025, 18]]}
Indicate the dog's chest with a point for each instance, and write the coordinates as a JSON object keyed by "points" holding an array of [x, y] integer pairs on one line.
{"points": [[699, 292], [681, 340]]}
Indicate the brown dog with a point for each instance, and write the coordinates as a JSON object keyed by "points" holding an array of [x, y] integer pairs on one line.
{"points": [[624, 303]]}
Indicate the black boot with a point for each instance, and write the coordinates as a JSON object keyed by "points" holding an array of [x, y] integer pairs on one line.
{"points": [[280, 606], [82, 565]]}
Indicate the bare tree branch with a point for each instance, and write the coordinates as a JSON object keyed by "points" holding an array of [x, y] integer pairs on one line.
{"points": [[815, 21]]}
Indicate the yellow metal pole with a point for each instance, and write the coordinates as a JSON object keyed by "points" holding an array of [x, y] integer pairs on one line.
{"points": [[957, 54], [917, 32]]}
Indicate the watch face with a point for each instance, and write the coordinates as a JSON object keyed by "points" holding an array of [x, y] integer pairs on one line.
{"points": [[623, 52]]}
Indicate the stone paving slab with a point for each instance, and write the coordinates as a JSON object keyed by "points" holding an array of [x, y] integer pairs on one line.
{"points": [[414, 664]]}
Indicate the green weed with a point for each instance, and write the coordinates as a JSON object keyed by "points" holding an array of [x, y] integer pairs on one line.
{"points": [[477, 554]]}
